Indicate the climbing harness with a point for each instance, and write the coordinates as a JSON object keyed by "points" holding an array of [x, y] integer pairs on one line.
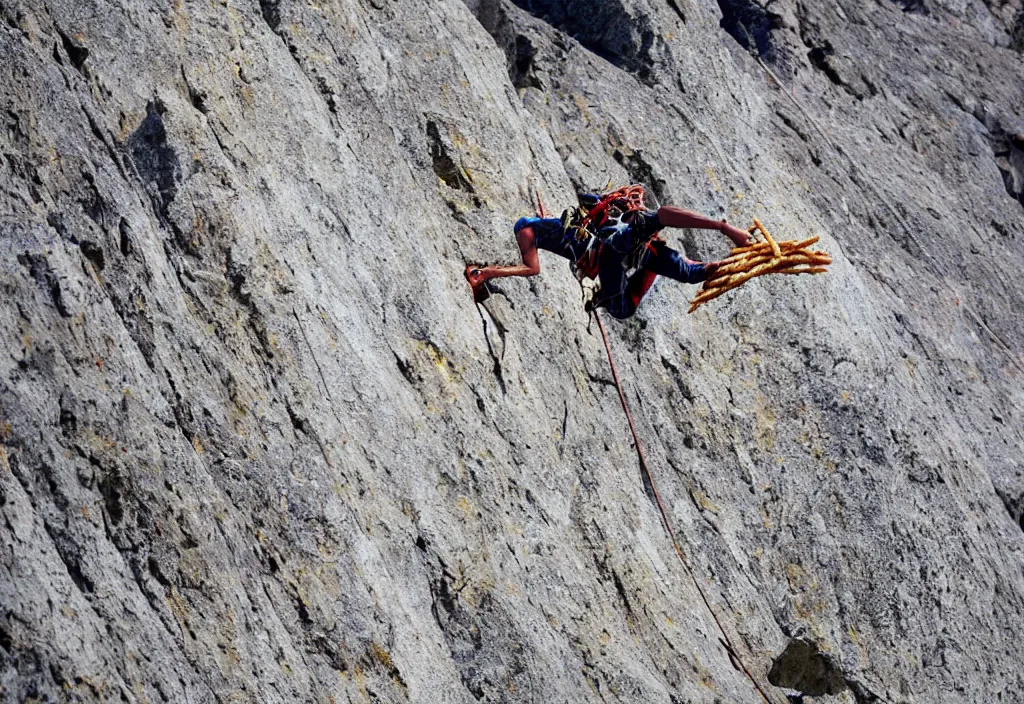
{"points": [[767, 257], [649, 479], [607, 210]]}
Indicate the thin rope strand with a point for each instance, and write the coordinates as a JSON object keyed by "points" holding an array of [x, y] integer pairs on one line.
{"points": [[727, 642]]}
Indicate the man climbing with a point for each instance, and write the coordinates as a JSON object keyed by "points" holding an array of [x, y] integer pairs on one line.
{"points": [[613, 234]]}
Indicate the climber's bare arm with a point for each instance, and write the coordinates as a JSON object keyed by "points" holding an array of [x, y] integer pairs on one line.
{"points": [[671, 216], [529, 267]]}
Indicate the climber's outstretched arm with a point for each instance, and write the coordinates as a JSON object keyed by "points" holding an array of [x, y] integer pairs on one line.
{"points": [[529, 267], [671, 216]]}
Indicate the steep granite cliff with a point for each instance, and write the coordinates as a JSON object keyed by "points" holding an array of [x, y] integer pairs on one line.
{"points": [[258, 444]]}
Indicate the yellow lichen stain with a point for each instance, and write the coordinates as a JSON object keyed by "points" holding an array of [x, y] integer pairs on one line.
{"points": [[191, 565], [764, 424], [712, 178], [197, 445], [178, 606], [702, 500], [100, 444], [463, 504], [727, 367], [844, 396], [129, 123], [818, 452], [583, 106], [863, 653], [581, 383], [245, 93], [796, 576], [382, 656], [180, 18], [705, 677], [439, 360], [83, 683], [360, 680], [473, 594], [458, 140], [804, 588]]}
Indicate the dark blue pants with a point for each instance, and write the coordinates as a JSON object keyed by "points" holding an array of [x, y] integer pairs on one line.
{"points": [[621, 294]]}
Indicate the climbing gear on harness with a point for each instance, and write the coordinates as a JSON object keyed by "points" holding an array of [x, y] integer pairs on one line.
{"points": [[614, 205], [767, 257], [598, 211]]}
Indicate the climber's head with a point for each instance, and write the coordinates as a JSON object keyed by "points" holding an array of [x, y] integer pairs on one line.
{"points": [[610, 209]]}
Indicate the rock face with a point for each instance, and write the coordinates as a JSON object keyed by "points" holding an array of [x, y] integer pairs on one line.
{"points": [[258, 444]]}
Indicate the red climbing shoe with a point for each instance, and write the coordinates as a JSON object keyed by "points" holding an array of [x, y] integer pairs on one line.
{"points": [[478, 282]]}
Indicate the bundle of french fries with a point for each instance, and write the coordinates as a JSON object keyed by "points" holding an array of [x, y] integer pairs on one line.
{"points": [[767, 257]]}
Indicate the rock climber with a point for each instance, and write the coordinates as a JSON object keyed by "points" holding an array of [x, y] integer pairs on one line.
{"points": [[617, 235]]}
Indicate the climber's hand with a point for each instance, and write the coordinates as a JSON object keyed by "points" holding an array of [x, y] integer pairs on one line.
{"points": [[740, 238]]}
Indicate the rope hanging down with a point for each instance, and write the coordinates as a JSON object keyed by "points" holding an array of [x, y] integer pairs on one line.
{"points": [[726, 641]]}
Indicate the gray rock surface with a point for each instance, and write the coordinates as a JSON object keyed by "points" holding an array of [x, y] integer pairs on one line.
{"points": [[258, 444]]}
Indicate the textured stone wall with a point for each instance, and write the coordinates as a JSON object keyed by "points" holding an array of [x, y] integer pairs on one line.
{"points": [[258, 444]]}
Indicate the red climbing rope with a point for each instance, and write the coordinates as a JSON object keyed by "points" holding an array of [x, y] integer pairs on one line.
{"points": [[727, 642]]}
